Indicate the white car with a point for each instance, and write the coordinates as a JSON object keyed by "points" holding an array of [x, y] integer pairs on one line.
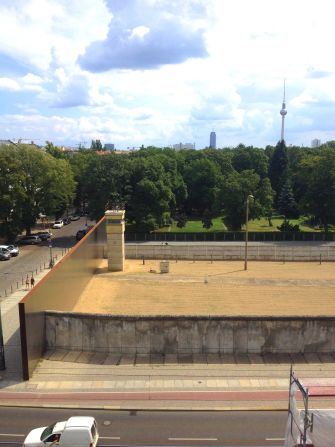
{"points": [[13, 249], [58, 224], [77, 431]]}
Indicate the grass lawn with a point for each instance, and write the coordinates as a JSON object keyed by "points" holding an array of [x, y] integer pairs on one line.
{"points": [[195, 225]]}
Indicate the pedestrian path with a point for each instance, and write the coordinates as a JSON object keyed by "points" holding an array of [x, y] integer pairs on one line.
{"points": [[100, 380], [9, 312]]}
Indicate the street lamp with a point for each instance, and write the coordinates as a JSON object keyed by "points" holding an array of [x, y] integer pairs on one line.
{"points": [[246, 231], [51, 263]]}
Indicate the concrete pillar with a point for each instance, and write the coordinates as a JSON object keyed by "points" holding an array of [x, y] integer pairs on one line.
{"points": [[115, 239]]}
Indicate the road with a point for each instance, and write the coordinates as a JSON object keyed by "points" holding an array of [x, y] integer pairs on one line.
{"points": [[156, 428], [34, 257]]}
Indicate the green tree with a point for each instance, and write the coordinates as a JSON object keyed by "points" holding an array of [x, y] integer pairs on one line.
{"points": [[203, 179], [278, 168], [235, 190], [286, 202], [317, 178], [207, 219], [181, 220], [53, 150], [31, 182], [264, 196]]}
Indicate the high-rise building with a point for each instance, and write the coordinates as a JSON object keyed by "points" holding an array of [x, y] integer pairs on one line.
{"points": [[283, 112], [181, 146], [316, 142], [212, 140]]}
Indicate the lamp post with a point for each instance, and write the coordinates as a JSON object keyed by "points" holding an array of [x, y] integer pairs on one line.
{"points": [[246, 232], [51, 263]]}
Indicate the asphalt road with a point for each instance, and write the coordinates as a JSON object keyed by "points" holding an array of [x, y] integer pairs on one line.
{"points": [[34, 257], [156, 428]]}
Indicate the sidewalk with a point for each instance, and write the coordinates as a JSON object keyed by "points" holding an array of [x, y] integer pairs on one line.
{"points": [[81, 380]]}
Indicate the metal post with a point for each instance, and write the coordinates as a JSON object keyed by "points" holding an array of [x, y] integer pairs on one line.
{"points": [[246, 232], [2, 349], [51, 262]]}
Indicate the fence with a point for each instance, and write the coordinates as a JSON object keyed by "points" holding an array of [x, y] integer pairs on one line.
{"points": [[231, 236]]}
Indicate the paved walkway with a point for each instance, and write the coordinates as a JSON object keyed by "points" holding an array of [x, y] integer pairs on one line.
{"points": [[99, 380]]}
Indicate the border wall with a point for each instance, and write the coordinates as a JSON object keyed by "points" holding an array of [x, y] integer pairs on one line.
{"points": [[189, 334], [58, 290], [220, 252], [232, 236]]}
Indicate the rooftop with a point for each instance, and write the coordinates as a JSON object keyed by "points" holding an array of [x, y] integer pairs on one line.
{"points": [[221, 288]]}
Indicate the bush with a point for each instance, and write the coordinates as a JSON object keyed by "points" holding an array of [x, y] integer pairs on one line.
{"points": [[286, 226]]}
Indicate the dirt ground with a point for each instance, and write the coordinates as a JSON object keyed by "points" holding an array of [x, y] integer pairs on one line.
{"points": [[218, 288]]}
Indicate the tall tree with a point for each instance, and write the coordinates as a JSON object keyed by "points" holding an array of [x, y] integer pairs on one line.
{"points": [[317, 177], [286, 202], [235, 190], [278, 169], [31, 182]]}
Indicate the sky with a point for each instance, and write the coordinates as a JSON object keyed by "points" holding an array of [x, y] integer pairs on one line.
{"points": [[160, 72]]}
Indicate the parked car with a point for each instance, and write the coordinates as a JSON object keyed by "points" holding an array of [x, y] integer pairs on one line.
{"points": [[13, 249], [58, 223], [44, 235], [80, 234], [4, 254], [76, 431], [75, 217], [66, 221], [33, 239]]}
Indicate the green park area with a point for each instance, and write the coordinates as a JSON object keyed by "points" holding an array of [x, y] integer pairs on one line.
{"points": [[195, 225]]}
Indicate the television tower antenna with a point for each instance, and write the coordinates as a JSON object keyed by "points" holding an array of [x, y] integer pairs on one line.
{"points": [[283, 112]]}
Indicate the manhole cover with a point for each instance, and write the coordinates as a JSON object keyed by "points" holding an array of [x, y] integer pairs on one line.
{"points": [[107, 422]]}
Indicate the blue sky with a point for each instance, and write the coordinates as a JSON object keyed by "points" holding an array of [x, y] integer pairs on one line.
{"points": [[133, 72]]}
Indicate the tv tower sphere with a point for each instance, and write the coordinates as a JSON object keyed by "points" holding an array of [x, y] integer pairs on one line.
{"points": [[283, 112]]}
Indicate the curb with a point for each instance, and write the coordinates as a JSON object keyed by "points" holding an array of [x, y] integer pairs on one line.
{"points": [[162, 407]]}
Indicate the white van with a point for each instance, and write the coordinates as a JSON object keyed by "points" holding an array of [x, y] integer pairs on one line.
{"points": [[78, 431]]}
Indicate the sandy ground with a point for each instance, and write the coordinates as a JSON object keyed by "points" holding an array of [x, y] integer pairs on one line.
{"points": [[218, 288]]}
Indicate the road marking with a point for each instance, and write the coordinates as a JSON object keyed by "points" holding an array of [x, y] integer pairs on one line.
{"points": [[274, 439], [109, 437], [192, 439], [10, 434]]}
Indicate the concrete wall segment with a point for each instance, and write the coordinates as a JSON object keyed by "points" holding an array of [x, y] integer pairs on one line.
{"points": [[157, 335], [58, 290]]}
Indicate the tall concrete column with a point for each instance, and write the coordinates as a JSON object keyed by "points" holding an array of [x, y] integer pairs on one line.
{"points": [[115, 239]]}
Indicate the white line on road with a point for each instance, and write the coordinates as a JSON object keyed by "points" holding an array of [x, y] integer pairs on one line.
{"points": [[109, 437], [274, 439], [192, 439]]}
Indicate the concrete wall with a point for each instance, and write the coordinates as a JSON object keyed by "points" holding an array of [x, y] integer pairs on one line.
{"points": [[205, 250], [163, 335], [58, 290]]}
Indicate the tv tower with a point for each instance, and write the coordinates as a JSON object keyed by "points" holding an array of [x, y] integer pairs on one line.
{"points": [[283, 112]]}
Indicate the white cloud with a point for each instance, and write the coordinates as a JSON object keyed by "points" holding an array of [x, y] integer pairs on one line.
{"points": [[165, 95], [38, 32], [9, 84]]}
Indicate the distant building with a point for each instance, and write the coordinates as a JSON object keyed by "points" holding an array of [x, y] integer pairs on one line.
{"points": [[212, 140], [316, 142], [7, 142], [180, 146], [109, 147]]}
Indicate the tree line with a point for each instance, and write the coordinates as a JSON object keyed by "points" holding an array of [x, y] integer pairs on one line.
{"points": [[157, 185]]}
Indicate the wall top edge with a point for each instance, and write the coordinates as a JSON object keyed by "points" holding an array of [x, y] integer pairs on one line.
{"points": [[83, 315], [115, 213]]}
